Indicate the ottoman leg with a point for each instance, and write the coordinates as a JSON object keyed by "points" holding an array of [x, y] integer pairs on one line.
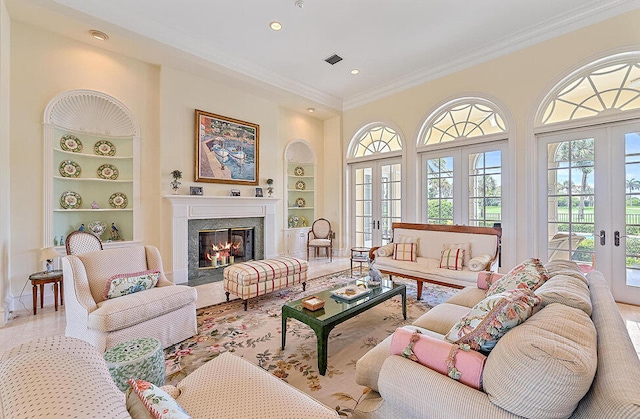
{"points": [[304, 286], [245, 304], [227, 294]]}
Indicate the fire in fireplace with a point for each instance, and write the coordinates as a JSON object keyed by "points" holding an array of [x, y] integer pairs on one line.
{"points": [[226, 246]]}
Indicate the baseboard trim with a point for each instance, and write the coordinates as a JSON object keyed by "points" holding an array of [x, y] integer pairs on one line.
{"points": [[16, 303]]}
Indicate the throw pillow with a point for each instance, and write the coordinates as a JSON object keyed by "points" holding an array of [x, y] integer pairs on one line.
{"points": [[529, 274], [146, 400], [405, 251], [386, 250], [492, 317], [452, 259], [479, 262], [464, 246], [123, 284], [444, 357], [401, 238], [485, 279]]}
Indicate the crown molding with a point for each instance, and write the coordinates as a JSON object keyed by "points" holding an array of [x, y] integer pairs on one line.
{"points": [[563, 24]]}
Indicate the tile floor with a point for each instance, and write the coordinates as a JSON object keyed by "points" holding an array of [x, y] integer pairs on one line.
{"points": [[24, 326]]}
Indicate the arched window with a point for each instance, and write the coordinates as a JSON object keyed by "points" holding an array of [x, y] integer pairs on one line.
{"points": [[460, 119], [376, 139], [462, 180], [606, 86], [375, 171]]}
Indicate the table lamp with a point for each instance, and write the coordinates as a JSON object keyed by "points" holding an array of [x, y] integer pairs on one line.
{"points": [[48, 254]]}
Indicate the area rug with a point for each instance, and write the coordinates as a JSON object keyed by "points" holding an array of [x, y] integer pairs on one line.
{"points": [[256, 336]]}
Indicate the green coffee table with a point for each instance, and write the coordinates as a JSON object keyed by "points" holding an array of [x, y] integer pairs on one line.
{"points": [[337, 310]]}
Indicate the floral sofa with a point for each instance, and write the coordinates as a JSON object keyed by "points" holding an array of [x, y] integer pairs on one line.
{"points": [[481, 244], [572, 358], [65, 377]]}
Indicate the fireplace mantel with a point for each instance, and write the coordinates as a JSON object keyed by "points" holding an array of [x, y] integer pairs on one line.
{"points": [[187, 207]]}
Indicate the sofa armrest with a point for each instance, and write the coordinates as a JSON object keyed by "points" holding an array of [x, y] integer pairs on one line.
{"points": [[77, 291], [418, 391], [372, 252], [154, 262]]}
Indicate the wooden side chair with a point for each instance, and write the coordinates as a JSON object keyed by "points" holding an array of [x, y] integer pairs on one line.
{"points": [[320, 236], [79, 242]]}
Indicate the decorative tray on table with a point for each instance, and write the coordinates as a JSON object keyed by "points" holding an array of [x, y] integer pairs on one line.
{"points": [[351, 292]]}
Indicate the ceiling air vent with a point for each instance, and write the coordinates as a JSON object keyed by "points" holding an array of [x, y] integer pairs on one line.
{"points": [[335, 58]]}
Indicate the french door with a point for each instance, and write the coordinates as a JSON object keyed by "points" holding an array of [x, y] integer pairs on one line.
{"points": [[589, 189], [464, 185], [376, 201]]}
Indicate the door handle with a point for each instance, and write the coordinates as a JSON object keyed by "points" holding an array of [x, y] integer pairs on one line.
{"points": [[378, 224], [616, 238], [602, 236]]}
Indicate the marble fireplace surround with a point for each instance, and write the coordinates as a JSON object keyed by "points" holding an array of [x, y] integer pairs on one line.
{"points": [[186, 207]]}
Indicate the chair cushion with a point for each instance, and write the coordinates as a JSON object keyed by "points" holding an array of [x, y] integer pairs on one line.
{"points": [[128, 310], [320, 242]]}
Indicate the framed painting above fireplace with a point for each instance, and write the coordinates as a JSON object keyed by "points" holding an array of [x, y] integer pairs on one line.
{"points": [[227, 149]]}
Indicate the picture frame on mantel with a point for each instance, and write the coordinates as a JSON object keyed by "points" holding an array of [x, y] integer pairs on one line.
{"points": [[227, 149]]}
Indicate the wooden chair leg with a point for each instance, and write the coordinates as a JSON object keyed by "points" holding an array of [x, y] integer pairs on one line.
{"points": [[245, 304]]}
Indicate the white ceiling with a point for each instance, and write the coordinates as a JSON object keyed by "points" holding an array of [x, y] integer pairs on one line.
{"points": [[395, 44]]}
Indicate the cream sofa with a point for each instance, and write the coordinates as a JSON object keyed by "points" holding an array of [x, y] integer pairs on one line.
{"points": [[166, 312], [65, 377], [542, 368], [431, 240]]}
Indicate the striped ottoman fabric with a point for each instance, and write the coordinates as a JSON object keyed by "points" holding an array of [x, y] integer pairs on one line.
{"points": [[259, 277]]}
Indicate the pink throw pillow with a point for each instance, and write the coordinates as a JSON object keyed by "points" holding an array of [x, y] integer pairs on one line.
{"points": [[435, 354], [485, 279], [405, 251]]}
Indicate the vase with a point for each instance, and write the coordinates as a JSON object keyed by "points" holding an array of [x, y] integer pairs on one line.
{"points": [[97, 228], [175, 185]]}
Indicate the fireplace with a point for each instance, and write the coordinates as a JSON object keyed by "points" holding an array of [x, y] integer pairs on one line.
{"points": [[223, 247]]}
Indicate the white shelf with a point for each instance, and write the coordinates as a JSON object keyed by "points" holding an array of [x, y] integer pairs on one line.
{"points": [[72, 153], [300, 190], [301, 177], [93, 179], [300, 208], [92, 210]]}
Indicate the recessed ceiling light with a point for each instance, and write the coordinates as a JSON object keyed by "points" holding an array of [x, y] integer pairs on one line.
{"points": [[98, 35], [276, 26], [311, 110], [355, 71]]}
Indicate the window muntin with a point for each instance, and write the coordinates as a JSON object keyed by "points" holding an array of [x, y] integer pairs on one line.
{"points": [[377, 140]]}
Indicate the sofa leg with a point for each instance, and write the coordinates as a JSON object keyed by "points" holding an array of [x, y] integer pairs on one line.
{"points": [[227, 294], [419, 290], [304, 286], [245, 304]]}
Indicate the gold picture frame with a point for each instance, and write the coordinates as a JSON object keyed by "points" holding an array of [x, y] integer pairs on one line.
{"points": [[227, 149]]}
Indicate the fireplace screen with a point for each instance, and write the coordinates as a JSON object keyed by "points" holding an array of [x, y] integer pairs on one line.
{"points": [[223, 247]]}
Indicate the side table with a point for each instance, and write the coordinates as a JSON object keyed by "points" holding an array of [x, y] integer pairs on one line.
{"points": [[42, 278], [140, 359], [359, 255]]}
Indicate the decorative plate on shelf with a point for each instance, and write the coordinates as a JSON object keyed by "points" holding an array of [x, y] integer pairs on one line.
{"points": [[298, 171], [118, 200], [69, 168], [104, 148], [301, 202], [300, 185], [70, 200], [108, 171], [70, 142]]}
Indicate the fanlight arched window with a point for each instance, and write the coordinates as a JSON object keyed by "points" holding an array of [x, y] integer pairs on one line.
{"points": [[460, 119], [607, 86], [377, 139]]}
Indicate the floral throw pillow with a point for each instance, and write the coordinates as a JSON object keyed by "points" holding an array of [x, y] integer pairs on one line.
{"points": [[405, 251], [530, 274], [492, 317], [452, 259], [157, 402], [124, 284]]}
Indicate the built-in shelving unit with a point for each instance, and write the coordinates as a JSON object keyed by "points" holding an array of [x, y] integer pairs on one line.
{"points": [[92, 118], [300, 181]]}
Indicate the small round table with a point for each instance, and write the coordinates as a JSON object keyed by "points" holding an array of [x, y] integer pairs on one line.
{"points": [[359, 255], [140, 359], [42, 278]]}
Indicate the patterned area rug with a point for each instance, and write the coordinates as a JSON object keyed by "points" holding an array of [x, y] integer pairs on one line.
{"points": [[256, 336]]}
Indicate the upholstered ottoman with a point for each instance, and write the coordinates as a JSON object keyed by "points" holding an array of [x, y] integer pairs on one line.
{"points": [[140, 359], [259, 277]]}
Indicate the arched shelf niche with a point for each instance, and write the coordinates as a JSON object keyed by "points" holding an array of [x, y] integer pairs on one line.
{"points": [[300, 195], [105, 140]]}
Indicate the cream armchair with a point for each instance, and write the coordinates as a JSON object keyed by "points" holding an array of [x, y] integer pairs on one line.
{"points": [[166, 312]]}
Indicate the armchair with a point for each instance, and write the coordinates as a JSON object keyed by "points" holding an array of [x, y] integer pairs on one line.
{"points": [[166, 312], [320, 236]]}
